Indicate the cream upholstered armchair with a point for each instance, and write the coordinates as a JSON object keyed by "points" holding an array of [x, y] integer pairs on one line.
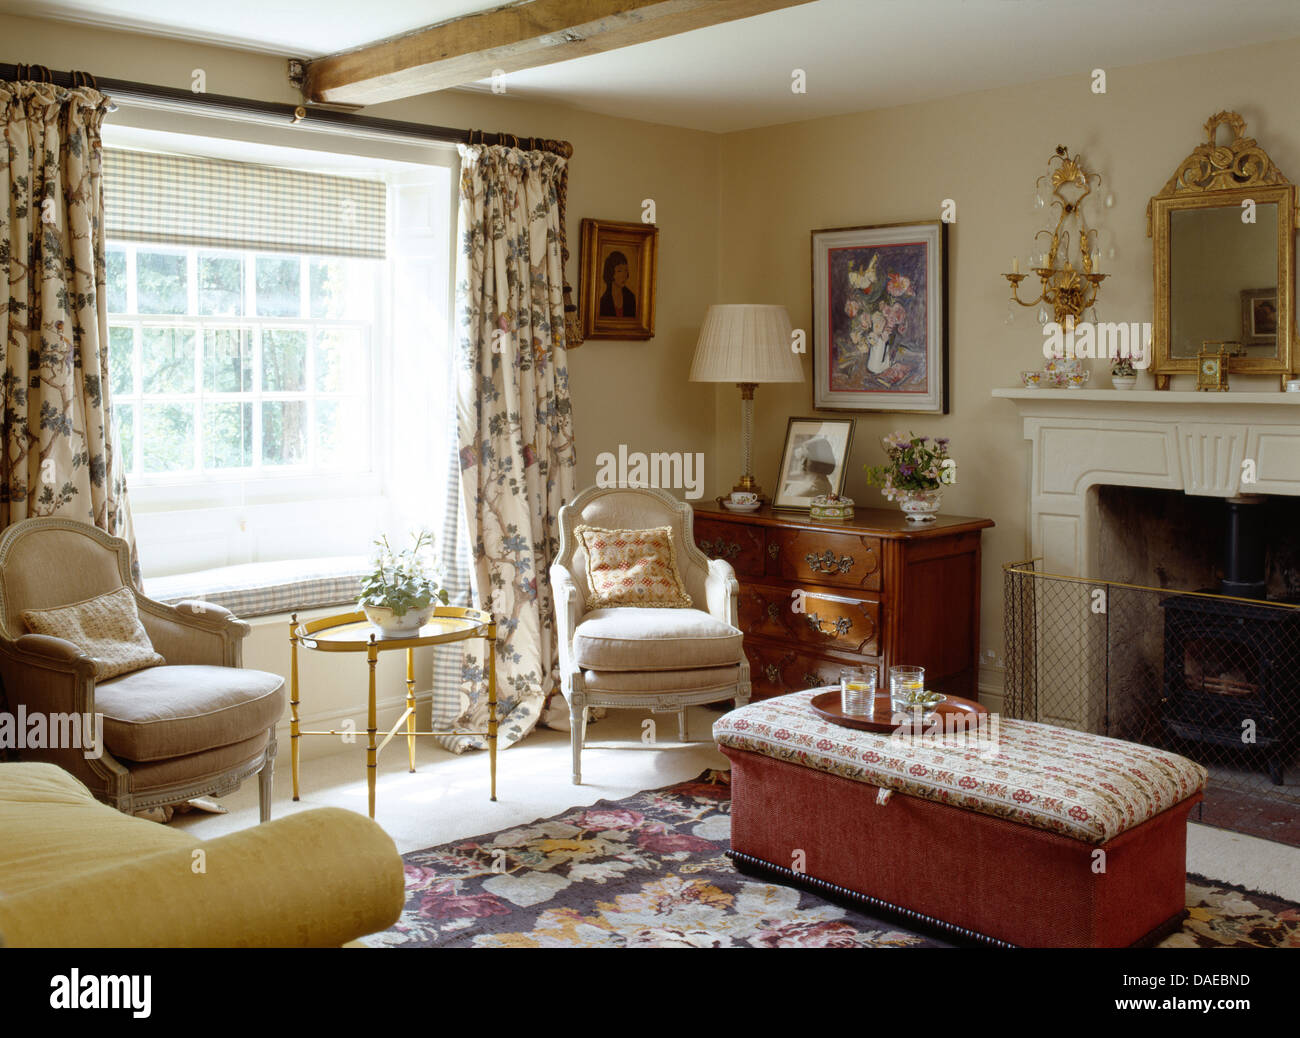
{"points": [[632, 656], [198, 725]]}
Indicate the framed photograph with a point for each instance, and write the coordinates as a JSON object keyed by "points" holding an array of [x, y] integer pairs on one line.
{"points": [[1259, 316], [880, 318], [617, 292], [814, 461]]}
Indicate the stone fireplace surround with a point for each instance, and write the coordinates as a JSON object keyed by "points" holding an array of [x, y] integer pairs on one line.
{"points": [[1188, 441]]}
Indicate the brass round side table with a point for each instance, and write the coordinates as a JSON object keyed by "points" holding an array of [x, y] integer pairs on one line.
{"points": [[352, 632]]}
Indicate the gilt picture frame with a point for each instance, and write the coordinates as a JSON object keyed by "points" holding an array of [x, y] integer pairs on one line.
{"points": [[880, 318], [619, 269]]}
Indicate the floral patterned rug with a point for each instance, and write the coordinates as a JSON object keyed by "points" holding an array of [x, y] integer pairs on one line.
{"points": [[650, 871]]}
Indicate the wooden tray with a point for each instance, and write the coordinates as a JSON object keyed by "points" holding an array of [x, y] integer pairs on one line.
{"points": [[827, 705]]}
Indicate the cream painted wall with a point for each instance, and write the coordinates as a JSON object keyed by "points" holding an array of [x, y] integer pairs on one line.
{"points": [[984, 151]]}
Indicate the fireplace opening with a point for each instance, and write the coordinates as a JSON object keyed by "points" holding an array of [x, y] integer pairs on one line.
{"points": [[1168, 539], [1186, 636]]}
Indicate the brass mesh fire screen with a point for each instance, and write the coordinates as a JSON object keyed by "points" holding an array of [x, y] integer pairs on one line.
{"points": [[1212, 677]]}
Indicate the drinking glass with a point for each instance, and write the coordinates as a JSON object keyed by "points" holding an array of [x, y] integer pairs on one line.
{"points": [[858, 691], [905, 687]]}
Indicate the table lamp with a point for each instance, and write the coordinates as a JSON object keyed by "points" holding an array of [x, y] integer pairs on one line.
{"points": [[746, 343]]}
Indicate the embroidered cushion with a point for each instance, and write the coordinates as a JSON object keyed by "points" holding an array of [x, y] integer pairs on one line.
{"points": [[106, 628], [1088, 787], [632, 568]]}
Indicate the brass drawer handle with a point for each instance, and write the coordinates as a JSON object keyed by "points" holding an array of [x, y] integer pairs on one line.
{"points": [[842, 624], [826, 562], [720, 549], [812, 680], [773, 550], [773, 611], [773, 675]]}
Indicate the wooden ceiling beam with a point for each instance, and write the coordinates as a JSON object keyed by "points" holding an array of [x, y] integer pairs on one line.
{"points": [[510, 38]]}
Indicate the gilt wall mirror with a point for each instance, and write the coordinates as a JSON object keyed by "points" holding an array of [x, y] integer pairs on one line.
{"points": [[1223, 231]]}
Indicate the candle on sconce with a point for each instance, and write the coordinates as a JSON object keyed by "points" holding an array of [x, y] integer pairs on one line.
{"points": [[1096, 262], [1015, 264]]}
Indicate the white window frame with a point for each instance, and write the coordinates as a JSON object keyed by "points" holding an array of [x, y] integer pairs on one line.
{"points": [[230, 520], [193, 487]]}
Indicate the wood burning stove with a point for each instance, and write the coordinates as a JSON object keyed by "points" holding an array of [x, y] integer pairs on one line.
{"points": [[1231, 668], [1232, 678]]}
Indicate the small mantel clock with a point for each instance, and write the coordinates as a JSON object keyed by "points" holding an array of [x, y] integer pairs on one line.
{"points": [[1212, 367]]}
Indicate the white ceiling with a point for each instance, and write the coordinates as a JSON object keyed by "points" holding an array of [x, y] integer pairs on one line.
{"points": [[857, 54]]}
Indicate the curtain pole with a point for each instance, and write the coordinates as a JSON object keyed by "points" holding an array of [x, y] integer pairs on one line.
{"points": [[290, 113]]}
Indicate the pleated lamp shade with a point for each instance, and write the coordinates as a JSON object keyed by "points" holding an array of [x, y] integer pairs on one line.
{"points": [[745, 342]]}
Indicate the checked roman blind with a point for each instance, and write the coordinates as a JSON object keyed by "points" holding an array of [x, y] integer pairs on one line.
{"points": [[217, 203]]}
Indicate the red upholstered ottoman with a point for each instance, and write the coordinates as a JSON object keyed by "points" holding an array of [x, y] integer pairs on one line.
{"points": [[1016, 833]]}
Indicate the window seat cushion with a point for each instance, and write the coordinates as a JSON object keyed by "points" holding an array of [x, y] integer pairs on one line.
{"points": [[261, 588]]}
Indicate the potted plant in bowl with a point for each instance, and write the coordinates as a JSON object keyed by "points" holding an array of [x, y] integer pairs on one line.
{"points": [[1123, 375], [402, 590], [916, 474]]}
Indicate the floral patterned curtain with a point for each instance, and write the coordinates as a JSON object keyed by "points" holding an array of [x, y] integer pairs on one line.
{"points": [[59, 454], [515, 428]]}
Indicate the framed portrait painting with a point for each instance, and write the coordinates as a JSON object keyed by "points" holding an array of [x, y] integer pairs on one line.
{"points": [[1259, 317], [880, 324], [618, 262], [814, 461]]}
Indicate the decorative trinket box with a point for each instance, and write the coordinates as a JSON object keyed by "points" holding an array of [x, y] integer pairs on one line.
{"points": [[831, 506]]}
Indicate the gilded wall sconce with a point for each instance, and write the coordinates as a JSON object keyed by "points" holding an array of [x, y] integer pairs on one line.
{"points": [[1069, 289]]}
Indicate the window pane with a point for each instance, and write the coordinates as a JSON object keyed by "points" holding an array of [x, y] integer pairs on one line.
{"points": [[168, 360], [343, 289], [278, 287], [167, 437], [328, 289], [228, 360], [124, 416], [339, 442], [221, 285], [284, 360], [161, 283], [339, 356], [121, 360], [227, 435], [284, 432], [116, 287]]}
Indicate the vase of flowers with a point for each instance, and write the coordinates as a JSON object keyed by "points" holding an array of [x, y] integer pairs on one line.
{"points": [[401, 591], [1123, 375], [915, 475]]}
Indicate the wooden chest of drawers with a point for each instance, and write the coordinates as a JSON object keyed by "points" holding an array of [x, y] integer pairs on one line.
{"points": [[875, 591]]}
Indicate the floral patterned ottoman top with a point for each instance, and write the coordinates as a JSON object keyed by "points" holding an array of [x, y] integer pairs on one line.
{"points": [[1087, 787]]}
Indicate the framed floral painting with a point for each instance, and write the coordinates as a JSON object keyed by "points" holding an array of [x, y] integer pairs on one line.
{"points": [[880, 324]]}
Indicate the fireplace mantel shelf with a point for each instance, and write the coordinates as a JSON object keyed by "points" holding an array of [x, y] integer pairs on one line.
{"points": [[1203, 444], [1147, 396]]}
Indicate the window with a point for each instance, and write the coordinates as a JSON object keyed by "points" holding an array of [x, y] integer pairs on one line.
{"points": [[279, 351], [239, 364]]}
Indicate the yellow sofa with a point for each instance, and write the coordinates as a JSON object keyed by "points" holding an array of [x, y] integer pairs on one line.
{"points": [[76, 873]]}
